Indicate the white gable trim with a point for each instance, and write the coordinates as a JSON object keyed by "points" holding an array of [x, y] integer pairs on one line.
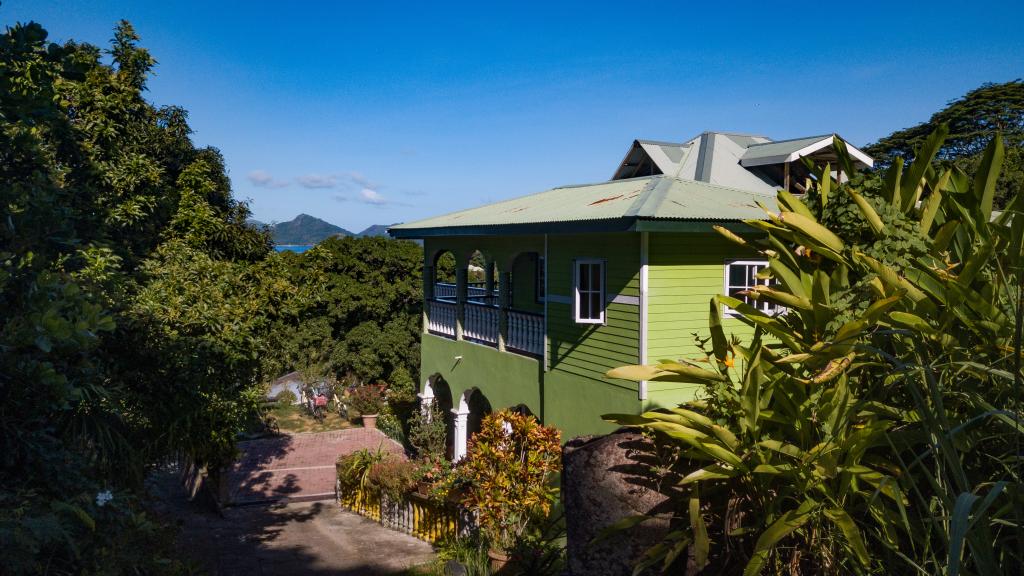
{"points": [[806, 151]]}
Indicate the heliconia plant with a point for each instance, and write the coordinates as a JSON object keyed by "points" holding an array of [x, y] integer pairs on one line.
{"points": [[874, 425]]}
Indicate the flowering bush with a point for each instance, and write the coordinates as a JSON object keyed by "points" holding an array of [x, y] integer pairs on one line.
{"points": [[509, 465], [368, 399]]}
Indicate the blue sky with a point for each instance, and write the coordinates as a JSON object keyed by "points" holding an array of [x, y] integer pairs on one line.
{"points": [[378, 112]]}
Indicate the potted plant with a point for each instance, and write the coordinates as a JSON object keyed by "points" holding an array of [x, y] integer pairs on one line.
{"points": [[509, 466], [368, 400]]}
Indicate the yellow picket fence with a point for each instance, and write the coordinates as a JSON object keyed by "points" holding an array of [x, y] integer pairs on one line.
{"points": [[412, 514]]}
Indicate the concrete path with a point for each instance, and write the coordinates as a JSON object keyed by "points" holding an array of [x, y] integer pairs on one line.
{"points": [[284, 519], [304, 538], [299, 467]]}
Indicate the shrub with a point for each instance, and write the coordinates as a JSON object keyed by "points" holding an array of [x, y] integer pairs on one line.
{"points": [[391, 426], [428, 433], [286, 398], [368, 399], [509, 465], [393, 476]]}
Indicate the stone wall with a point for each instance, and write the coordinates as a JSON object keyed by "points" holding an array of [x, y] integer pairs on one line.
{"points": [[606, 479]]}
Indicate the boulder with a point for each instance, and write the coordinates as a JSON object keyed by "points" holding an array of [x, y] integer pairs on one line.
{"points": [[604, 480]]}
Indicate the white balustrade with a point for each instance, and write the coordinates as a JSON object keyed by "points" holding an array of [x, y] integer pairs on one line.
{"points": [[441, 318], [481, 323], [526, 332], [445, 291]]}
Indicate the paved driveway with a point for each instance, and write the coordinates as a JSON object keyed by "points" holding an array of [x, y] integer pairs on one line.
{"points": [[287, 521], [299, 467]]}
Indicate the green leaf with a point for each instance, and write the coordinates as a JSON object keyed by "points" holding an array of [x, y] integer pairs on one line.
{"points": [[868, 212], [701, 543], [712, 472], [789, 522], [845, 523], [617, 528], [986, 177], [913, 180]]}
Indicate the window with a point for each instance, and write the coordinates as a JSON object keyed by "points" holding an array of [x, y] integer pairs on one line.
{"points": [[741, 275], [540, 274], [589, 297]]}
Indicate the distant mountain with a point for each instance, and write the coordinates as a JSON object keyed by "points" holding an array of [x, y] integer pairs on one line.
{"points": [[376, 230], [305, 229]]}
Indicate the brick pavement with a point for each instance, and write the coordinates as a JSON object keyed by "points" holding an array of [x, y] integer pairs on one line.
{"points": [[299, 467]]}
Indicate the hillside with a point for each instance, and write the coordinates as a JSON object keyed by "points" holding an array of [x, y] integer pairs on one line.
{"points": [[376, 230], [305, 229]]}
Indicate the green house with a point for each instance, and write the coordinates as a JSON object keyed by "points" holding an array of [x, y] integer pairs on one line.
{"points": [[529, 302]]}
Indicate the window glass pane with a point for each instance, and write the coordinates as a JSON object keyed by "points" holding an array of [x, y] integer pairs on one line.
{"points": [[583, 276], [595, 276], [595, 306], [737, 275], [584, 304]]}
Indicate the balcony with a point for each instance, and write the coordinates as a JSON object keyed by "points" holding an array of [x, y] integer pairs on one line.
{"points": [[483, 320]]}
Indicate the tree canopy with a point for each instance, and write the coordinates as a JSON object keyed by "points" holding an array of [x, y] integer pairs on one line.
{"points": [[972, 120]]}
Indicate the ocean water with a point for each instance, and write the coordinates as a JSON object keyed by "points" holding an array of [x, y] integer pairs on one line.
{"points": [[293, 247]]}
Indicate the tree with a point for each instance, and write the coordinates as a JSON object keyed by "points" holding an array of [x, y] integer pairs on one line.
{"points": [[973, 120], [136, 304]]}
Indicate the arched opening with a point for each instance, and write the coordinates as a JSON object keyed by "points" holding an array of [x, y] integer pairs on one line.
{"points": [[442, 276], [481, 310], [479, 407], [526, 294]]}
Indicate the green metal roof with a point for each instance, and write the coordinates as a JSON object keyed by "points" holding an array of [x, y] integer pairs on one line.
{"points": [[618, 205], [781, 147]]}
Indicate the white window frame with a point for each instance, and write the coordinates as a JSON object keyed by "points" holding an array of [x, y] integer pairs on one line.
{"points": [[577, 263], [765, 306]]}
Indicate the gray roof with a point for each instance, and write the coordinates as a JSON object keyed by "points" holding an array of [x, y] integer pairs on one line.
{"points": [[617, 205]]}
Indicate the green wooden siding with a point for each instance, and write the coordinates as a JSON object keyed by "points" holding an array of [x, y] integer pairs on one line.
{"points": [[588, 350], [684, 272]]}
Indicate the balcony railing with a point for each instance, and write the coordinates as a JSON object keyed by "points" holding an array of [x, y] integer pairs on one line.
{"points": [[481, 323], [525, 329], [526, 332], [441, 318], [475, 292]]}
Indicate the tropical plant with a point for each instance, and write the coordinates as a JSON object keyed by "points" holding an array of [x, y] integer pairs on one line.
{"points": [[509, 466], [881, 411], [354, 469]]}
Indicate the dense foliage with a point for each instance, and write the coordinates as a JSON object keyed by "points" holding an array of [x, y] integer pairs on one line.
{"points": [[509, 467], [973, 120], [874, 427], [360, 318], [141, 313]]}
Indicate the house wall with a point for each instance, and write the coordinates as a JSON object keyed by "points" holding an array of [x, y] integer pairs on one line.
{"points": [[587, 350], [505, 379], [684, 272]]}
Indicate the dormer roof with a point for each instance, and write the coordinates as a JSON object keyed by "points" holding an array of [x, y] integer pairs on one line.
{"points": [[744, 161]]}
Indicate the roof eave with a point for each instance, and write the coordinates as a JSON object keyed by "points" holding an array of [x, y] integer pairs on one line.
{"points": [[631, 224]]}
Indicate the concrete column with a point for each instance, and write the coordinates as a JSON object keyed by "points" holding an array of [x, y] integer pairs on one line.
{"points": [[504, 303], [426, 401], [461, 431], [489, 278], [461, 295], [428, 295]]}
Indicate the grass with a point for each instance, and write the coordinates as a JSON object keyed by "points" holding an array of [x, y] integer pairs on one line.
{"points": [[294, 419]]}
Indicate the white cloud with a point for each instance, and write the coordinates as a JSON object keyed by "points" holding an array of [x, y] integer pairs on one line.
{"points": [[317, 181], [371, 196], [263, 179]]}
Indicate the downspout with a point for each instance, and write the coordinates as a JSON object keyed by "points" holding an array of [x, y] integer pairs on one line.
{"points": [[642, 389]]}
